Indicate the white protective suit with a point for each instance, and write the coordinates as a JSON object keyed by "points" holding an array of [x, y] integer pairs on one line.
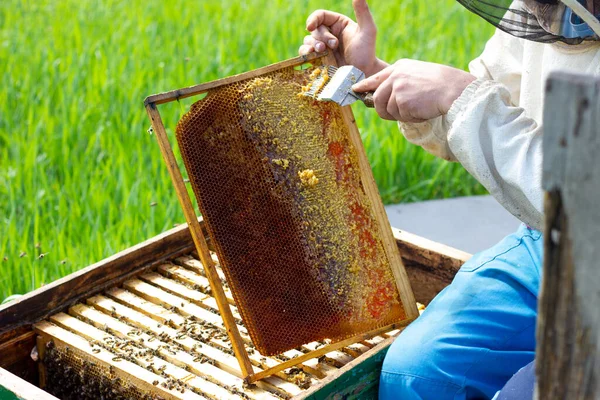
{"points": [[494, 129]]}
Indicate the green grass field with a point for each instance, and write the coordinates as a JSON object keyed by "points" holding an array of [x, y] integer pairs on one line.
{"points": [[78, 171]]}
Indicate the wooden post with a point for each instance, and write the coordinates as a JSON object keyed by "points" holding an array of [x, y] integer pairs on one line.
{"points": [[568, 360]]}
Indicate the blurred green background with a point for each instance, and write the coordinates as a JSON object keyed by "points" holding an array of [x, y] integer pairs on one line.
{"points": [[80, 177]]}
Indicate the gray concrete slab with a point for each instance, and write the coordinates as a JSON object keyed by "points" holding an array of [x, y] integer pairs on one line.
{"points": [[470, 224]]}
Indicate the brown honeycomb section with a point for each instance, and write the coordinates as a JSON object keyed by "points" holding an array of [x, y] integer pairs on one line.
{"points": [[278, 183]]}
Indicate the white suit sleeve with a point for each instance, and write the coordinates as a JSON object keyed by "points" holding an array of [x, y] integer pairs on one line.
{"points": [[500, 146], [489, 134]]}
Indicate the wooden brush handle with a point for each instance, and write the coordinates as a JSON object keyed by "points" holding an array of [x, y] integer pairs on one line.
{"points": [[368, 99]]}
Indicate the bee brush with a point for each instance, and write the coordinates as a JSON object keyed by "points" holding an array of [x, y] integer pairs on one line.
{"points": [[336, 85]]}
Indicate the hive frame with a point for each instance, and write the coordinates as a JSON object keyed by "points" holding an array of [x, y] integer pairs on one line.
{"points": [[151, 103]]}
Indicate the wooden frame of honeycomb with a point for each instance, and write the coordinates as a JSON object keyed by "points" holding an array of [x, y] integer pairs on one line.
{"points": [[217, 288]]}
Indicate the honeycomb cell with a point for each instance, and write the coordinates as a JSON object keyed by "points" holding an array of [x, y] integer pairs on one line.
{"points": [[301, 250]]}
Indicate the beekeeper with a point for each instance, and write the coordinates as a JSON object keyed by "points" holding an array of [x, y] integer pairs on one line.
{"points": [[480, 330]]}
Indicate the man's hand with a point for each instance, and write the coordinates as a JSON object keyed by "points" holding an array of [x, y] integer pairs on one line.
{"points": [[352, 43], [415, 91]]}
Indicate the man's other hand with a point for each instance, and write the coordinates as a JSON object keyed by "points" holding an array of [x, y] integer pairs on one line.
{"points": [[415, 91], [352, 43]]}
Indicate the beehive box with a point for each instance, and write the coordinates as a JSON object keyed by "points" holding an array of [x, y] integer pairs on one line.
{"points": [[72, 311], [156, 323]]}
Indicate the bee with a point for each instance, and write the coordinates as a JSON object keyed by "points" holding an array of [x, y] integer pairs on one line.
{"points": [[22, 254], [42, 255]]}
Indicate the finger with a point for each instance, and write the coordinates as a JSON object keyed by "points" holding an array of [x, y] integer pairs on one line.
{"points": [[371, 83], [305, 49], [322, 17], [381, 98], [402, 110], [309, 40], [317, 45], [393, 108], [363, 16], [323, 34]]}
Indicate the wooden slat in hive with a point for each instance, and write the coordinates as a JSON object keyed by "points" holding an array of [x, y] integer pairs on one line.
{"points": [[190, 277], [225, 361], [194, 264], [193, 271], [220, 341], [355, 350], [205, 301], [133, 351], [195, 275], [180, 290], [181, 358], [162, 308], [183, 307], [125, 370]]}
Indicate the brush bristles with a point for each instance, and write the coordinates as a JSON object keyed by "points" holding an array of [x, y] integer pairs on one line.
{"points": [[317, 86]]}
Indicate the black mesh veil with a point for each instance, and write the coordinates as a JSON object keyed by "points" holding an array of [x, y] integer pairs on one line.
{"points": [[537, 20]]}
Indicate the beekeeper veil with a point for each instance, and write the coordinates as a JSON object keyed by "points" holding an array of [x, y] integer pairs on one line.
{"points": [[545, 21]]}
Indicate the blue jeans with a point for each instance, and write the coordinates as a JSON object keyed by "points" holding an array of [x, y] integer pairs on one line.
{"points": [[476, 333]]}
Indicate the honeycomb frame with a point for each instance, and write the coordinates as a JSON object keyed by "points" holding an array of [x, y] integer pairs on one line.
{"points": [[399, 275]]}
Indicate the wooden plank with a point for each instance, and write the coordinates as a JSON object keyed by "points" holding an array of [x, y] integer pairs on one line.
{"points": [[222, 360], [188, 276], [204, 87], [15, 357], [338, 358], [335, 357], [198, 237], [430, 266], [191, 278], [325, 368], [355, 349], [209, 303], [146, 307], [358, 376], [196, 266], [122, 345], [163, 315], [59, 294], [194, 296], [158, 296], [319, 352], [568, 354], [127, 371], [429, 253], [372, 193], [14, 388], [173, 354]]}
